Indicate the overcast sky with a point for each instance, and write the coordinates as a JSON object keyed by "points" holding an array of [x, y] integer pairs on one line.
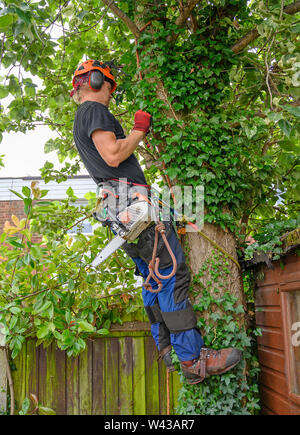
{"points": [[24, 153]]}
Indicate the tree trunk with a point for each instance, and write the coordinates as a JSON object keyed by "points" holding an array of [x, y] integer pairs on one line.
{"points": [[221, 274]]}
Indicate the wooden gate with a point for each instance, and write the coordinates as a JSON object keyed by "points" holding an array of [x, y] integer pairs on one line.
{"points": [[116, 375]]}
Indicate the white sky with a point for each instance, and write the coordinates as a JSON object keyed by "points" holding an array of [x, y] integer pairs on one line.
{"points": [[24, 153]]}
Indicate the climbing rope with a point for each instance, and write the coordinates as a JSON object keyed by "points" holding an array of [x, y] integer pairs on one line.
{"points": [[154, 262]]}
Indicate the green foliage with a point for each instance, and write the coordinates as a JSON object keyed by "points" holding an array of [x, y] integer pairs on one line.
{"points": [[268, 237], [219, 319], [227, 121], [45, 288], [32, 406]]}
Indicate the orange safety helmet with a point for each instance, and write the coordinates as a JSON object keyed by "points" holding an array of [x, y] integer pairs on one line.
{"points": [[95, 80]]}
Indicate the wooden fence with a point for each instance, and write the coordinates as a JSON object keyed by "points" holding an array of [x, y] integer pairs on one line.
{"points": [[116, 375]]}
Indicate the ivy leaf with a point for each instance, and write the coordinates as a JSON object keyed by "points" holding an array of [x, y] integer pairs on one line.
{"points": [[285, 127], [293, 110], [250, 131]]}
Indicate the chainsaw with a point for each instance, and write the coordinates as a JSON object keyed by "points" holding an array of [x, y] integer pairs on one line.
{"points": [[127, 224]]}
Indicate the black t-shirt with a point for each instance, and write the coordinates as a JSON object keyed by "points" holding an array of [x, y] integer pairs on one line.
{"points": [[91, 116]]}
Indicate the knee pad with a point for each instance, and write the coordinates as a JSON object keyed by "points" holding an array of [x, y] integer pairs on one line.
{"points": [[154, 314], [181, 320]]}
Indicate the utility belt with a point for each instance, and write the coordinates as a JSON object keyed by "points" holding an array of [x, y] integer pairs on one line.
{"points": [[114, 197]]}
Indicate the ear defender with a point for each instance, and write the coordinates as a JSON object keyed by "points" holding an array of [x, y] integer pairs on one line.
{"points": [[96, 80]]}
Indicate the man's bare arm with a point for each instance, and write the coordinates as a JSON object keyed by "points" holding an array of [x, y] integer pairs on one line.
{"points": [[114, 151]]}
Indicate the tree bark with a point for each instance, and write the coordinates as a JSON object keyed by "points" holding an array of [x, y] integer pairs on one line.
{"points": [[199, 251]]}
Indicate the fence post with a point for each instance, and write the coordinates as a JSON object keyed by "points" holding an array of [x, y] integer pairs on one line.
{"points": [[3, 377]]}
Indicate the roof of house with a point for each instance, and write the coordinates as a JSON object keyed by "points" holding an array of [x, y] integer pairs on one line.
{"points": [[81, 184]]}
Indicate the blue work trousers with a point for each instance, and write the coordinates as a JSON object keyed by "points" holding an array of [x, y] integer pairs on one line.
{"points": [[170, 312]]}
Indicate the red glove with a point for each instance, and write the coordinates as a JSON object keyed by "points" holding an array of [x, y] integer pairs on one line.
{"points": [[142, 121]]}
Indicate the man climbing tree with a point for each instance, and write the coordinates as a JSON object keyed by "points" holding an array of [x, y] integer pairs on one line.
{"points": [[221, 80], [108, 156]]}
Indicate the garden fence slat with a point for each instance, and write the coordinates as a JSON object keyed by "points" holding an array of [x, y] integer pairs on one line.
{"points": [[99, 387], [32, 373], [125, 376], [112, 376], [176, 385], [72, 386], [85, 380], [162, 376], [139, 376], [152, 387], [20, 377], [59, 376], [118, 374]]}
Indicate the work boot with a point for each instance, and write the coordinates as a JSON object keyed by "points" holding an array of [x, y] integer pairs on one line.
{"points": [[165, 355], [210, 362]]}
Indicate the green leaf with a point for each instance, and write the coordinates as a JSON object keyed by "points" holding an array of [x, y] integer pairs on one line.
{"points": [[16, 193], [43, 410], [13, 322], [293, 110], [250, 131], [172, 172], [4, 91], [26, 191], [6, 20], [43, 331], [24, 16], [103, 331], [285, 127], [16, 244], [274, 116], [85, 326], [71, 284], [36, 251], [25, 406], [27, 205], [44, 307]]}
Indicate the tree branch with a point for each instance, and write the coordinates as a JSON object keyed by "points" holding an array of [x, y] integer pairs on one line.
{"points": [[181, 20], [185, 13], [120, 14], [253, 34]]}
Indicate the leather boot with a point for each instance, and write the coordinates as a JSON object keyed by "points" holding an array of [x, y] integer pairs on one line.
{"points": [[165, 355], [210, 362]]}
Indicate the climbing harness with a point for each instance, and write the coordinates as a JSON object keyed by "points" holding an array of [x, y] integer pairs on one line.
{"points": [[127, 217]]}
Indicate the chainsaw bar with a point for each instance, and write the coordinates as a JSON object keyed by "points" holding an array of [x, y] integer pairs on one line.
{"points": [[109, 249]]}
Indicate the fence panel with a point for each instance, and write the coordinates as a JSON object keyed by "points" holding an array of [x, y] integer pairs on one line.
{"points": [[116, 375]]}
